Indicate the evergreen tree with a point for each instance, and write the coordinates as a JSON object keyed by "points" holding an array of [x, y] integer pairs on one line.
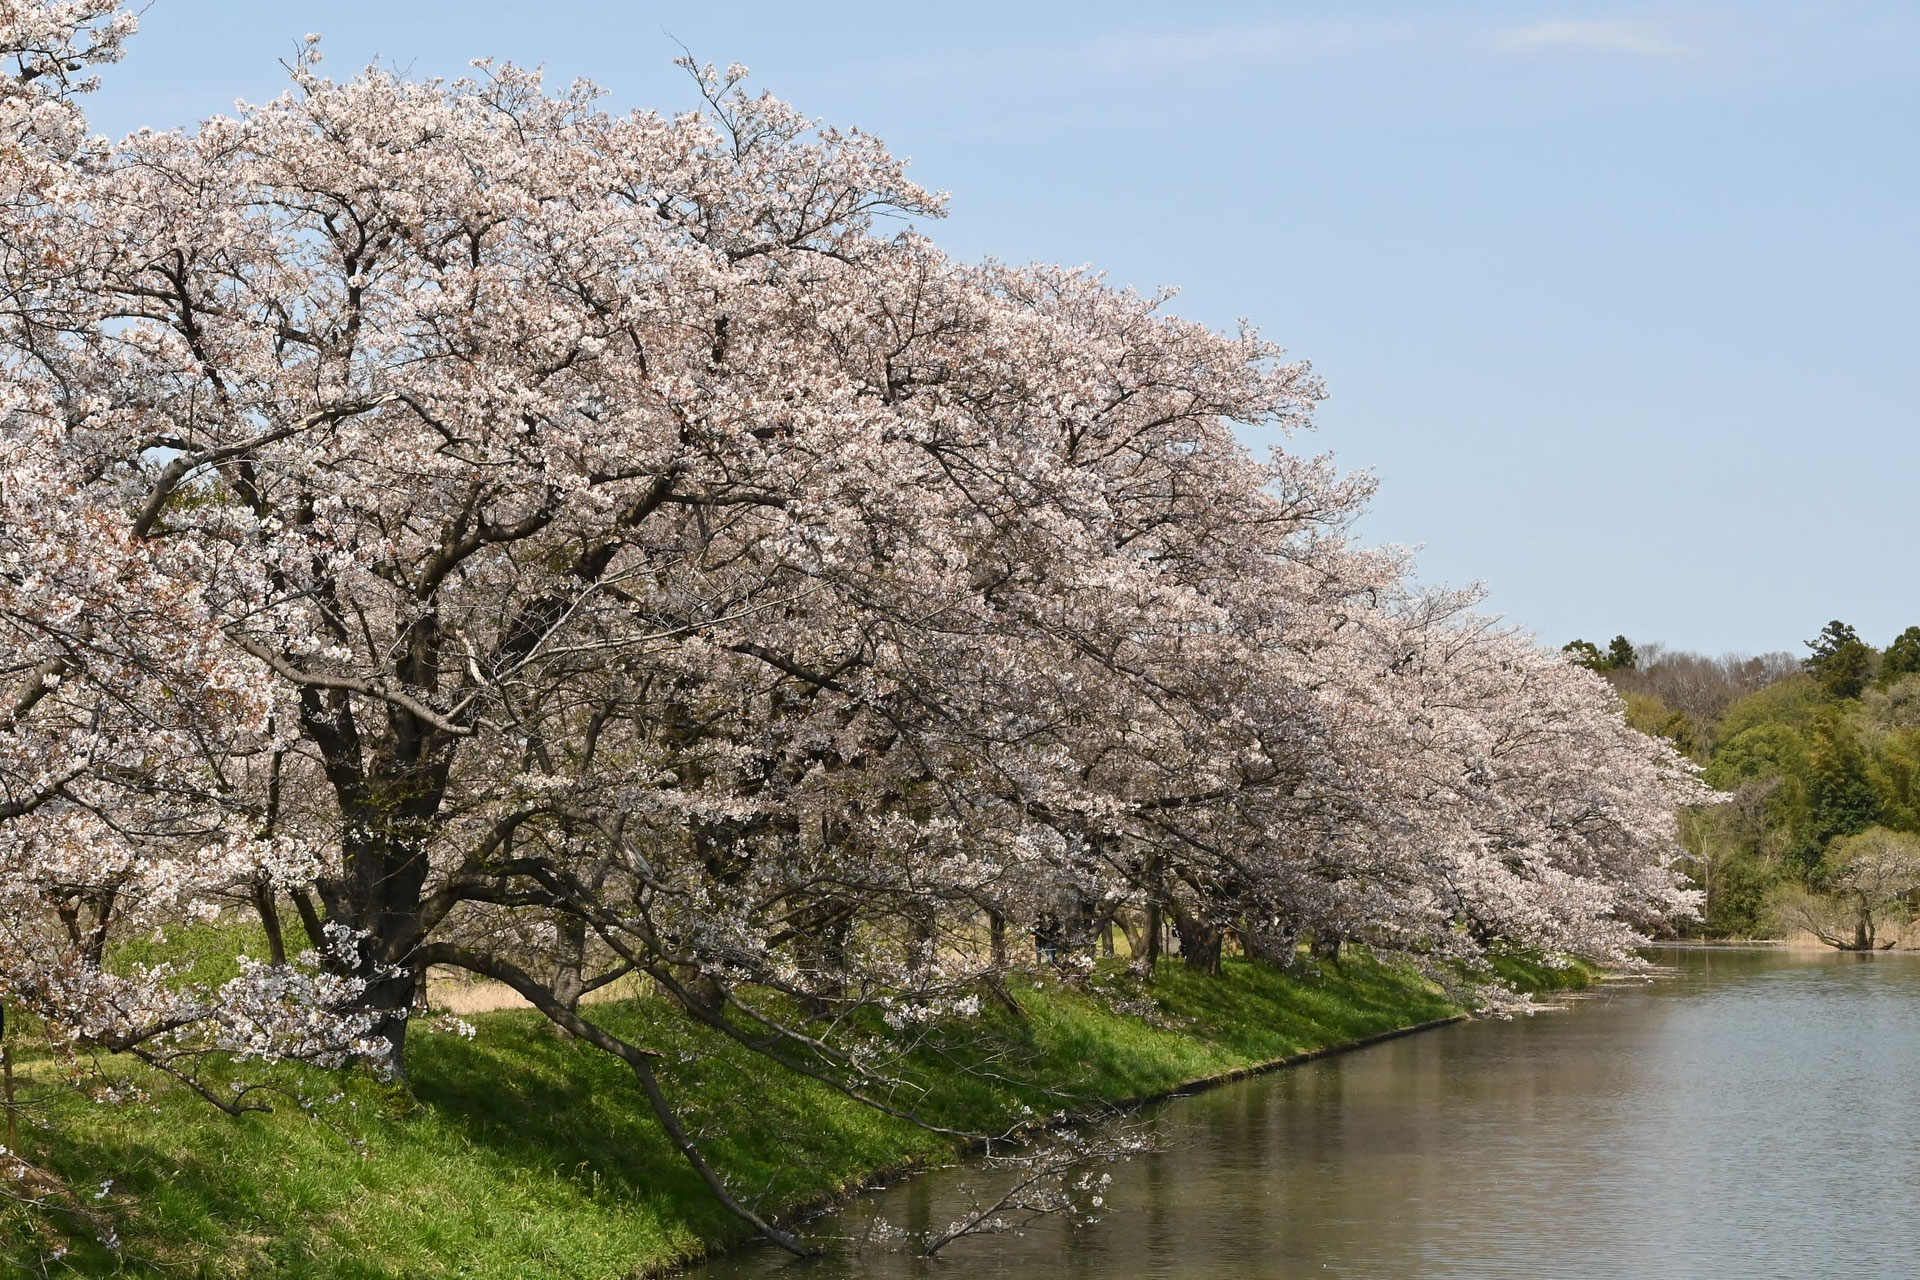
{"points": [[1840, 660], [1586, 653], [1621, 655], [1902, 656]]}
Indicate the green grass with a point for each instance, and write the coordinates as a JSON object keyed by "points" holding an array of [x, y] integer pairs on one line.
{"points": [[521, 1153], [1526, 971]]}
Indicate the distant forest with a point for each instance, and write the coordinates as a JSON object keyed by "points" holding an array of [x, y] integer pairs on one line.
{"points": [[1820, 758]]}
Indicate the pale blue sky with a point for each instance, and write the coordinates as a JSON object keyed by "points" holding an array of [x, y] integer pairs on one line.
{"points": [[1619, 301]]}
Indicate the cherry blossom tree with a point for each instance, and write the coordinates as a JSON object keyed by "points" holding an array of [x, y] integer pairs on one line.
{"points": [[495, 533], [125, 708], [1867, 881]]}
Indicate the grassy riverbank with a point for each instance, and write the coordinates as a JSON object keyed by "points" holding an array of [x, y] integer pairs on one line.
{"points": [[521, 1153]]}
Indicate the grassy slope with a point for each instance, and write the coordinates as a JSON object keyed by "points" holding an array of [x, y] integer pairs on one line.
{"points": [[521, 1153]]}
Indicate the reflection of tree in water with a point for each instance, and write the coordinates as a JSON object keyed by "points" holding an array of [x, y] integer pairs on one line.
{"points": [[1059, 1174]]}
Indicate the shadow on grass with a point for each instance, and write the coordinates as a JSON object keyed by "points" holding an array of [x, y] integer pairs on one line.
{"points": [[522, 1152]]}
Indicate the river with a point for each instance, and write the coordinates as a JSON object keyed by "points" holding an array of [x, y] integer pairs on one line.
{"points": [[1748, 1113]]}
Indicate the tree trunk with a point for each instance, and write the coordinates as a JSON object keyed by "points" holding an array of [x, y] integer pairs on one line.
{"points": [[570, 968], [820, 946], [1154, 885], [6, 1084], [269, 913], [920, 942], [1267, 948], [1863, 930], [386, 880], [389, 795], [1200, 942]]}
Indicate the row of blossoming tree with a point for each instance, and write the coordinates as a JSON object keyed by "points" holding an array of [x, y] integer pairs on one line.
{"points": [[468, 528]]}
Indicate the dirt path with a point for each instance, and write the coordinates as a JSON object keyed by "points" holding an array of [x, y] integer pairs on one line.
{"points": [[449, 991]]}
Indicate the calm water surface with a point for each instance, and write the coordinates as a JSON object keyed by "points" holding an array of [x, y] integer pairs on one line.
{"points": [[1750, 1114]]}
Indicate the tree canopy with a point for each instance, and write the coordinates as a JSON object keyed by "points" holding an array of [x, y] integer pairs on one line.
{"points": [[1840, 660], [1619, 654], [501, 534], [1902, 656], [1813, 754]]}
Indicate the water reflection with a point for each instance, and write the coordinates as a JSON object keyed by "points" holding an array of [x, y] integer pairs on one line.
{"points": [[1750, 1114]]}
